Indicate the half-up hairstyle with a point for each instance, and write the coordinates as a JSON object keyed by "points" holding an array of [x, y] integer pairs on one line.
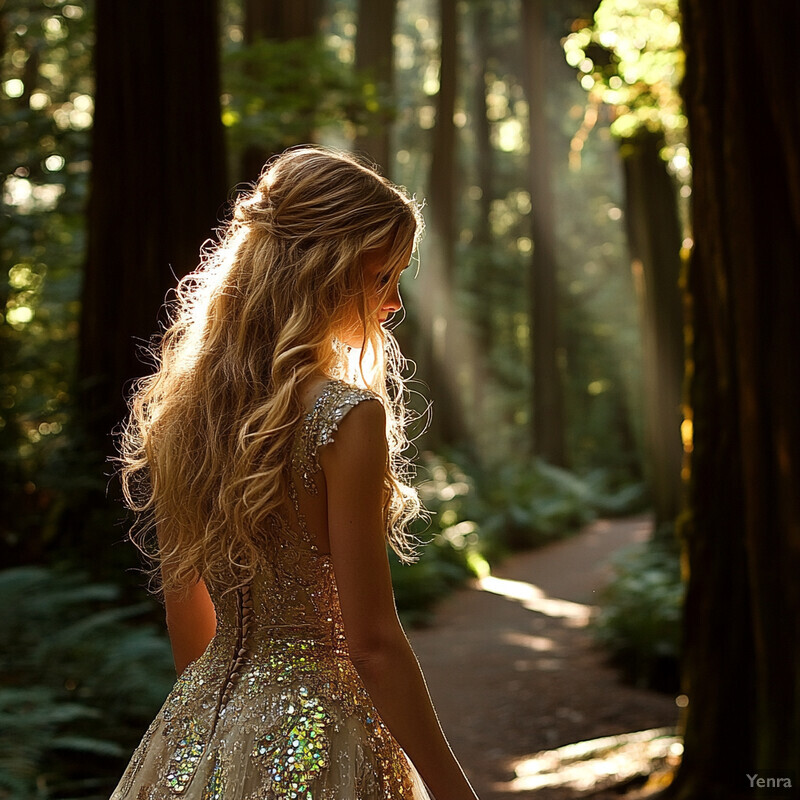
{"points": [[205, 449]]}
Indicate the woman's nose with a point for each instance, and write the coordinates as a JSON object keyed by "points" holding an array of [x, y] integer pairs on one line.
{"points": [[393, 302]]}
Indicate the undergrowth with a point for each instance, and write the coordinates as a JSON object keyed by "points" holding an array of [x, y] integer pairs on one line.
{"points": [[640, 618], [80, 679], [478, 516]]}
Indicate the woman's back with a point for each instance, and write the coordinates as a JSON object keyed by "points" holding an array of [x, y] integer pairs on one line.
{"points": [[275, 701]]}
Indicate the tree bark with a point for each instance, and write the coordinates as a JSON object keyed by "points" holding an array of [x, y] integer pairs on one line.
{"points": [[479, 363], [281, 19], [742, 531], [547, 396], [484, 154], [158, 185], [442, 183], [375, 56], [437, 288], [654, 240]]}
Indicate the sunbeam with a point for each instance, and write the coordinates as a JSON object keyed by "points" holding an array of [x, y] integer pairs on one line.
{"points": [[585, 765], [533, 598]]}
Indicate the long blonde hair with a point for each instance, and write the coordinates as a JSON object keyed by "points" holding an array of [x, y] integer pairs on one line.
{"points": [[205, 448]]}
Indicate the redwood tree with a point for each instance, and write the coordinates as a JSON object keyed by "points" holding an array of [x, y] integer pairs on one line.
{"points": [[484, 156], [742, 532], [375, 58], [654, 240], [281, 19], [547, 396], [158, 184], [439, 348]]}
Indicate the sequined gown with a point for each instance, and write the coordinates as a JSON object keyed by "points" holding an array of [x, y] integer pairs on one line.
{"points": [[274, 708]]}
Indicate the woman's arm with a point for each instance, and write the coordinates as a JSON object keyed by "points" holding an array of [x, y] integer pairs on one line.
{"points": [[191, 622], [354, 466]]}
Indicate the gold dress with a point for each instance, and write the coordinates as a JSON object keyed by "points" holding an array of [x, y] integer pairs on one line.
{"points": [[274, 708]]}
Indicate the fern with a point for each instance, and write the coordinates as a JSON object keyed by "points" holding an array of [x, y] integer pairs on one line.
{"points": [[640, 618], [80, 679]]}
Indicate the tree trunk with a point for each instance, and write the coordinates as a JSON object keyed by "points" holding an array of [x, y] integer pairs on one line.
{"points": [[484, 155], [479, 363], [654, 239], [742, 535], [158, 184], [281, 20], [375, 56], [437, 287], [547, 397]]}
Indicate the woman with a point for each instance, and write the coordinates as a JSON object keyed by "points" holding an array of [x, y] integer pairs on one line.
{"points": [[265, 454]]}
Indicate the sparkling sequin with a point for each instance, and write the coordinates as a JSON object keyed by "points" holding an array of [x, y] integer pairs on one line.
{"points": [[274, 709], [216, 783], [335, 400], [295, 754], [186, 757]]}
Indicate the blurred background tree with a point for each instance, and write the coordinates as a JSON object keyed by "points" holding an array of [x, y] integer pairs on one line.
{"points": [[151, 203], [631, 63]]}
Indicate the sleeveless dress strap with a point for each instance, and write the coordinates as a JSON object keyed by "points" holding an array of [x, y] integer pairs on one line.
{"points": [[320, 425]]}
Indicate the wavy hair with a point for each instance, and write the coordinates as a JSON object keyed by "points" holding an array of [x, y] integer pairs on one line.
{"points": [[204, 452]]}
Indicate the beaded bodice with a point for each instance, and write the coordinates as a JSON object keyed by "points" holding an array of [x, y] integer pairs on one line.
{"points": [[295, 596]]}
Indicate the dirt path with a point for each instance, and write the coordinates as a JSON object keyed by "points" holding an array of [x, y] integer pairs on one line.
{"points": [[512, 668]]}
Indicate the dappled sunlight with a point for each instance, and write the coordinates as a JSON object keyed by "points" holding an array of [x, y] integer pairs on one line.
{"points": [[28, 197], [541, 644], [533, 598], [597, 762], [642, 79]]}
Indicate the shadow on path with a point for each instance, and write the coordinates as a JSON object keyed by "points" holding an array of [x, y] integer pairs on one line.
{"points": [[512, 668]]}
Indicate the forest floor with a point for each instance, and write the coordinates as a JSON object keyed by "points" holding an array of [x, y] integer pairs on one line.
{"points": [[513, 672]]}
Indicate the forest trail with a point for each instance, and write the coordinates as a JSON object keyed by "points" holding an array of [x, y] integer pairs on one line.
{"points": [[512, 668]]}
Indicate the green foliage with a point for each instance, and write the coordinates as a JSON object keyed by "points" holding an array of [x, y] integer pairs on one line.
{"points": [[274, 94], [80, 679], [451, 548], [640, 620], [282, 93], [477, 517], [527, 505], [46, 103], [631, 58]]}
